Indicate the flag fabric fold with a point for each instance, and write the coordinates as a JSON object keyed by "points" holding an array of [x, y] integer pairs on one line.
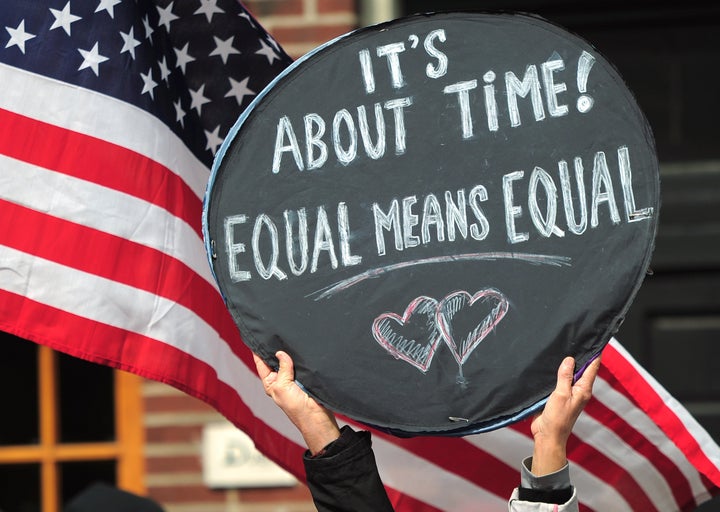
{"points": [[110, 115]]}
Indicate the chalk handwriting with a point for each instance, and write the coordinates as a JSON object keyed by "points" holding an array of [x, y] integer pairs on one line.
{"points": [[296, 243], [412, 337], [343, 137], [540, 203], [462, 320]]}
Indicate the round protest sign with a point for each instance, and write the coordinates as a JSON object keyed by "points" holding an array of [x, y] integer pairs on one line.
{"points": [[429, 214]]}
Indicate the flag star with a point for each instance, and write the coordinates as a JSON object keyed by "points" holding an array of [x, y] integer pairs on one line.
{"points": [[198, 100], [208, 8], [92, 59], [249, 19], [166, 16], [179, 113], [239, 90], [63, 19], [183, 57], [148, 83], [148, 28], [18, 36], [213, 139], [267, 52], [224, 48], [273, 43], [164, 70], [129, 42], [109, 6]]}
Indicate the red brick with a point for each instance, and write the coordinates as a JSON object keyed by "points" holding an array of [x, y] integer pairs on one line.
{"points": [[174, 434], [335, 6], [180, 403], [186, 493], [260, 8], [178, 464], [297, 493], [311, 34]]}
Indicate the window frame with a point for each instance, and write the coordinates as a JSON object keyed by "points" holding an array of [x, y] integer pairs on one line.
{"points": [[49, 453]]}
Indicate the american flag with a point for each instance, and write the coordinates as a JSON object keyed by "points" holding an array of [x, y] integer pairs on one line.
{"points": [[110, 114]]}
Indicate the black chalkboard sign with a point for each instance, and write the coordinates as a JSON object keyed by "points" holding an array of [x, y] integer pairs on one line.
{"points": [[429, 214]]}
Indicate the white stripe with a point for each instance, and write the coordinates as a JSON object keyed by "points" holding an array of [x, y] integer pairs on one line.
{"points": [[708, 446], [430, 483], [511, 447], [625, 409], [122, 306], [594, 433], [91, 113], [104, 209]]}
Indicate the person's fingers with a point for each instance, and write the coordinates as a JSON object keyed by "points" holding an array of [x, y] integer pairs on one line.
{"points": [[286, 372], [263, 370], [583, 386], [565, 376]]}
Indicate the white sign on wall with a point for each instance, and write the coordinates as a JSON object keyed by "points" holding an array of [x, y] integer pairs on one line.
{"points": [[230, 459]]}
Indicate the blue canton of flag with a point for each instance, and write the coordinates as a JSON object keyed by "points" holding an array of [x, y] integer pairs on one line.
{"points": [[195, 65]]}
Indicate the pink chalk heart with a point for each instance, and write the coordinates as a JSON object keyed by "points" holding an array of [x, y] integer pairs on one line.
{"points": [[465, 320], [412, 337]]}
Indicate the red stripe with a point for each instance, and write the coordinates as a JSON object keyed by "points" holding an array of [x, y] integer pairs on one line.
{"points": [[98, 161], [117, 259], [158, 361], [677, 482], [406, 503], [144, 356], [641, 393], [455, 455], [596, 463]]}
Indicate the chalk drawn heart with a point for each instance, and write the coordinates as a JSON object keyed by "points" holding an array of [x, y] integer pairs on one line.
{"points": [[412, 337], [466, 320]]}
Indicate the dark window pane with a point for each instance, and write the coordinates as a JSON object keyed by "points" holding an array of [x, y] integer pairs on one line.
{"points": [[685, 355], [20, 488], [86, 401], [78, 476], [18, 391]]}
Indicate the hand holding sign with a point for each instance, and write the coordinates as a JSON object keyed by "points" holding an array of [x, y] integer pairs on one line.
{"points": [[428, 215]]}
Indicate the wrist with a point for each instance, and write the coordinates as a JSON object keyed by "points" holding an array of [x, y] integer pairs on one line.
{"points": [[549, 456], [319, 434]]}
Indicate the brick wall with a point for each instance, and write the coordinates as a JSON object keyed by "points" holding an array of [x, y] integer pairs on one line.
{"points": [[174, 421], [301, 25]]}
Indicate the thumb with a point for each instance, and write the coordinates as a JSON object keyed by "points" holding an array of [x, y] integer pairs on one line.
{"points": [[565, 375], [286, 372]]}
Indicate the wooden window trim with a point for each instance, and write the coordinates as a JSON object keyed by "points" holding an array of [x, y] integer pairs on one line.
{"points": [[127, 449]]}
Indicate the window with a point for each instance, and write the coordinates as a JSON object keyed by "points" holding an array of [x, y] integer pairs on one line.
{"points": [[66, 424]]}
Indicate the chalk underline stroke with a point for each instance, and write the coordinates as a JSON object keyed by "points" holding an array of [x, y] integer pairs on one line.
{"points": [[535, 259]]}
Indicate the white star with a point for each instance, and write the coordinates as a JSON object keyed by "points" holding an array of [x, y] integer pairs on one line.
{"points": [[129, 42], [249, 19], [224, 48], [213, 139], [273, 43], [166, 16], [164, 70], [198, 100], [63, 19], [18, 36], [183, 57], [239, 90], [208, 8], [92, 59], [179, 113], [267, 52], [148, 28], [148, 83], [109, 6]]}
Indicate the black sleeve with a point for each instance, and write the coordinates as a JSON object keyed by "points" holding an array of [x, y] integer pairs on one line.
{"points": [[344, 477]]}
